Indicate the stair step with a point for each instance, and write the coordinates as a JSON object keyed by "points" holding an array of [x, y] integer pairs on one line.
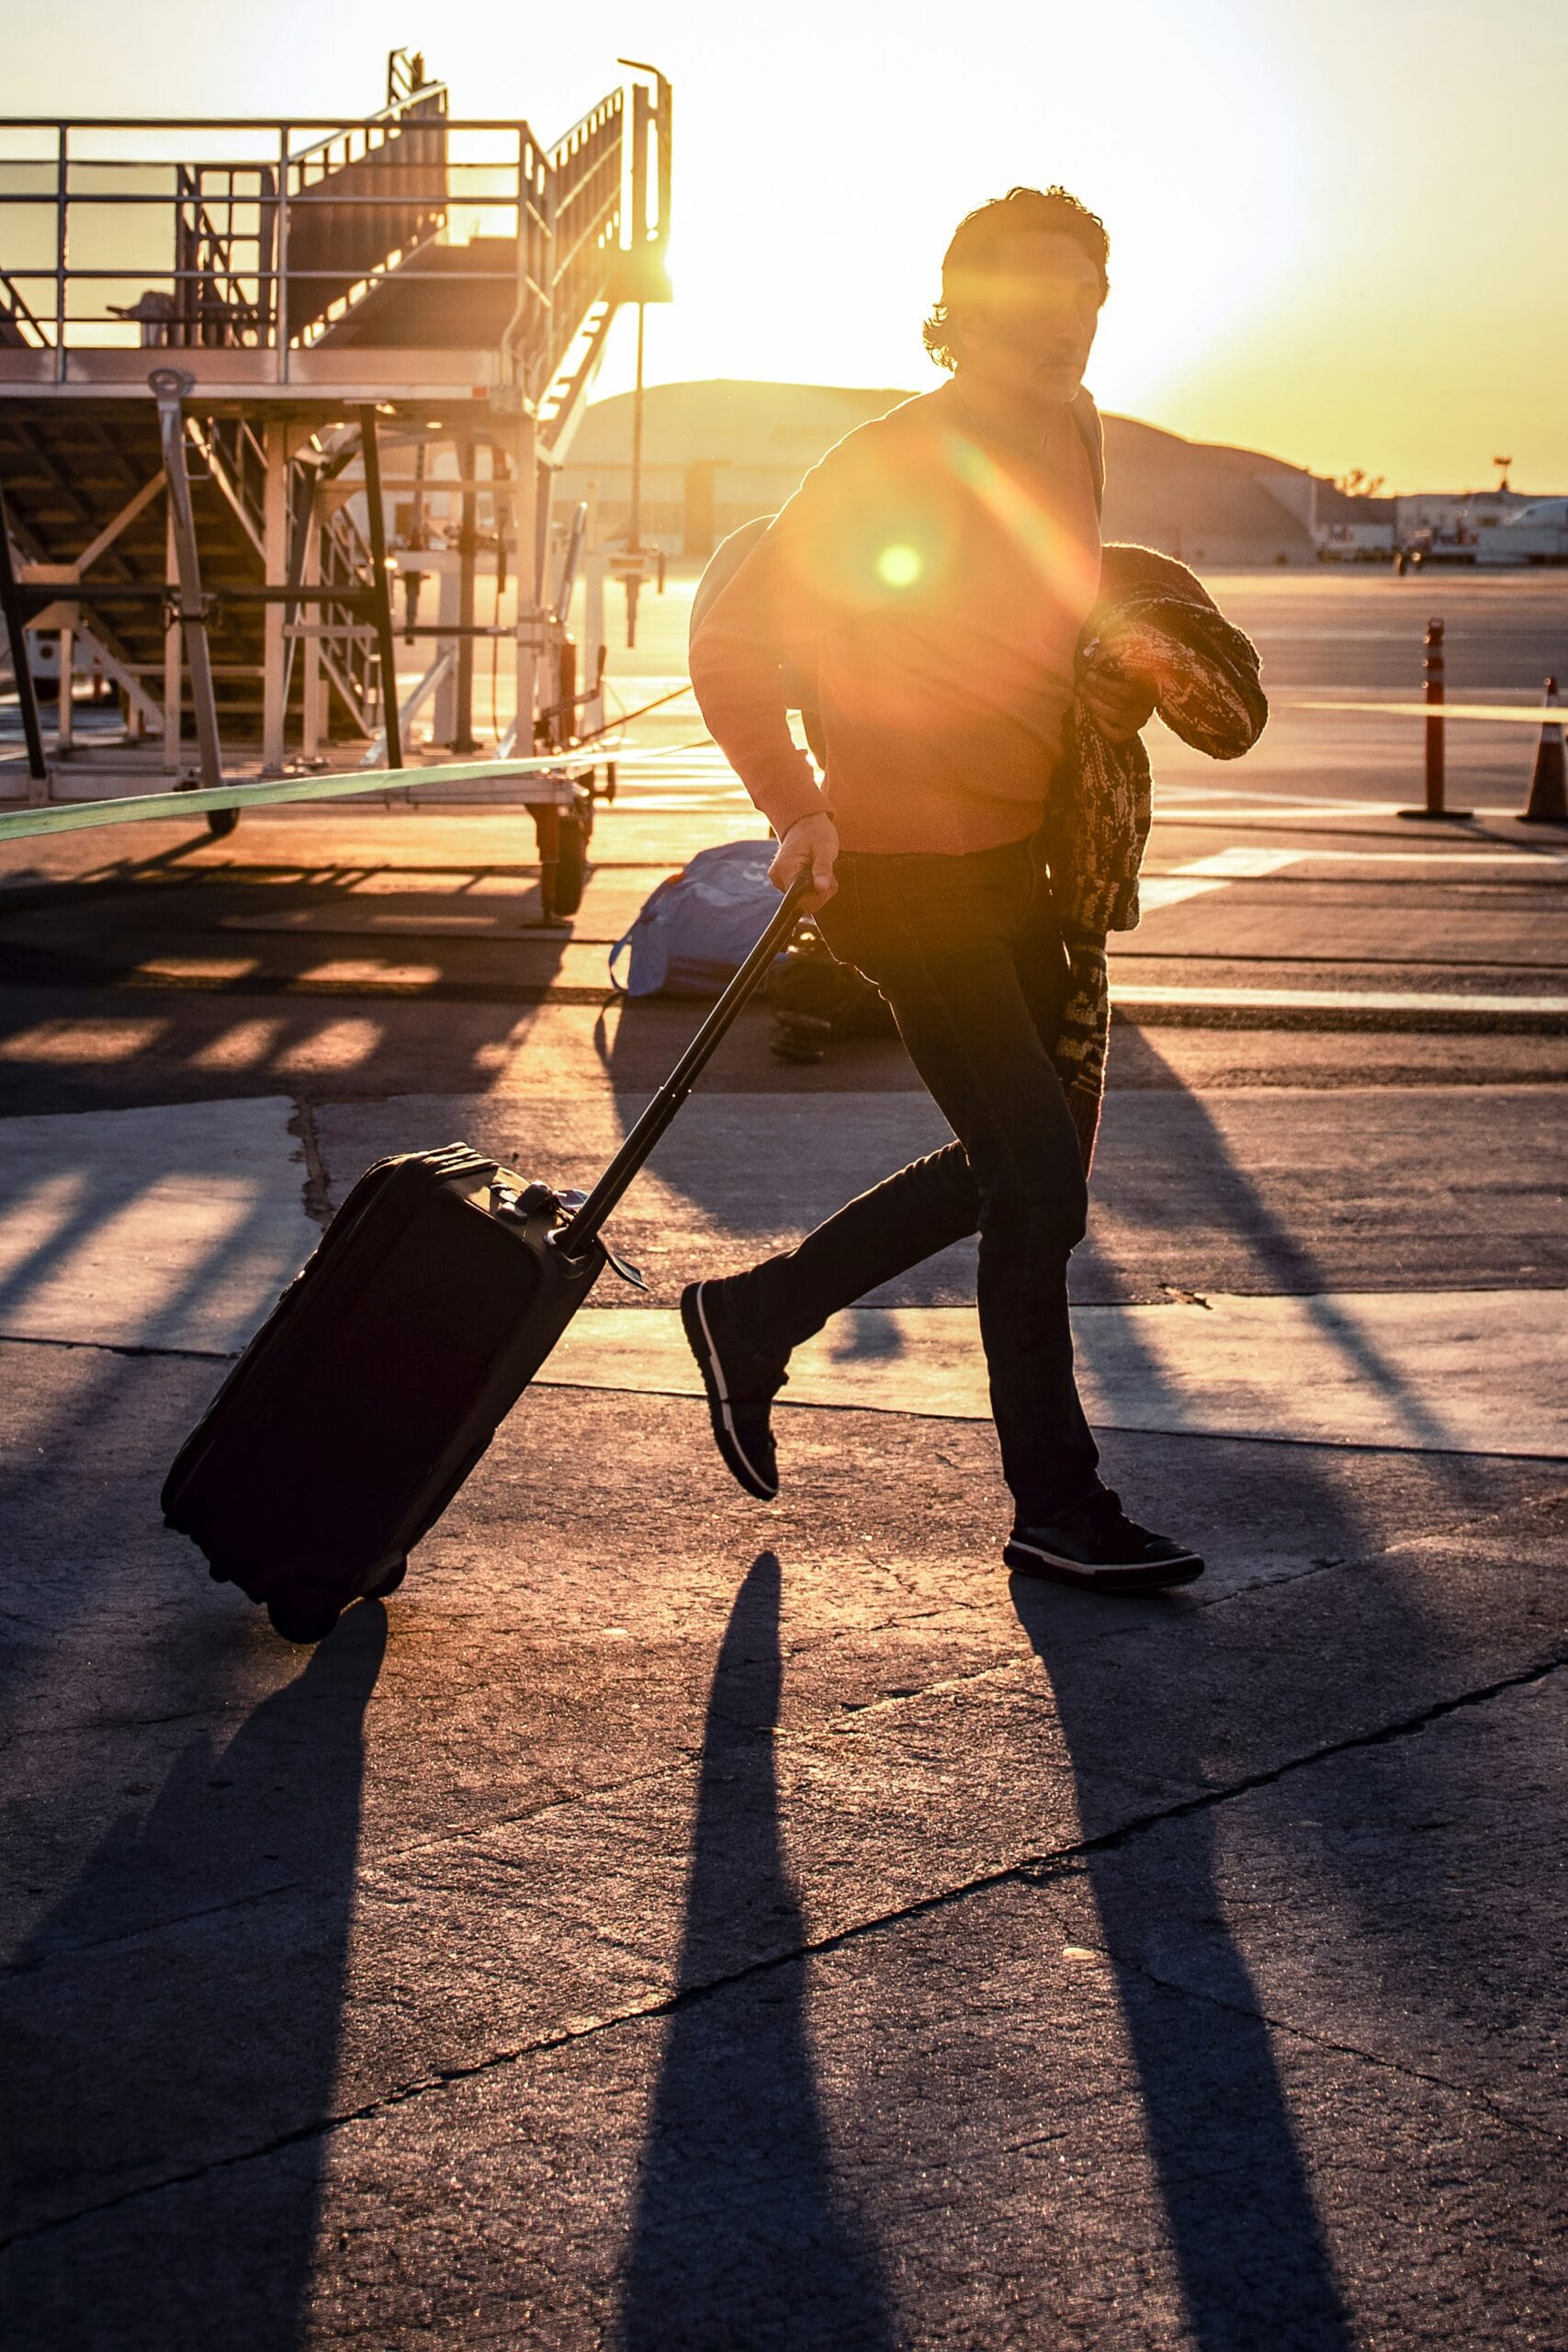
{"points": [[66, 476]]}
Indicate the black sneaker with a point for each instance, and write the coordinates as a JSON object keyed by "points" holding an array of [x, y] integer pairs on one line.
{"points": [[741, 1384], [1094, 1544]]}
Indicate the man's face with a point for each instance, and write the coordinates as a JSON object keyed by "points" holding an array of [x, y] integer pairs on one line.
{"points": [[1028, 326]]}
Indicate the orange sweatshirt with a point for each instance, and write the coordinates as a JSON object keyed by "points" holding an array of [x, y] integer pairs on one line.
{"points": [[932, 582]]}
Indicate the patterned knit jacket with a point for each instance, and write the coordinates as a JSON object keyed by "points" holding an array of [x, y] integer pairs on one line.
{"points": [[1153, 617]]}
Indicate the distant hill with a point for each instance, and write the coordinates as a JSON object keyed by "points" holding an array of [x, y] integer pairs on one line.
{"points": [[1202, 500], [731, 421], [717, 453]]}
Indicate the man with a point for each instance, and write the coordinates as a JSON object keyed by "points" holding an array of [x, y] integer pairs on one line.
{"points": [[931, 578]]}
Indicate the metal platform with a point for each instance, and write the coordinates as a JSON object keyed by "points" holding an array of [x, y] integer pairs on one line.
{"points": [[315, 286]]}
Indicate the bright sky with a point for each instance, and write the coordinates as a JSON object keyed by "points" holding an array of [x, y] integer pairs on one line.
{"points": [[1338, 228]]}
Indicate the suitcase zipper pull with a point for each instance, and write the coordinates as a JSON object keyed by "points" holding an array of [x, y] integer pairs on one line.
{"points": [[570, 1203]]}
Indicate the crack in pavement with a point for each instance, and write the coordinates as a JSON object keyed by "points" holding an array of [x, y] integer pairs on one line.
{"points": [[25, 1731], [850, 1724], [118, 1348], [1037, 1871], [1276, 2024], [316, 1197], [1041, 1871]]}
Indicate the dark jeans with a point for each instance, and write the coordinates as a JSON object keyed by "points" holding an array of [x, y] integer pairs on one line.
{"points": [[967, 953]]}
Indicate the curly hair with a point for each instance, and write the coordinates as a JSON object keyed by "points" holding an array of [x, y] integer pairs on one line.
{"points": [[979, 237]]}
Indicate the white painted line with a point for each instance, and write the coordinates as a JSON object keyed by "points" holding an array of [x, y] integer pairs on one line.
{"points": [[1179, 794], [1242, 863], [1450, 857], [1159, 890], [1471, 1371], [1211, 872], [643, 802], [1507, 714], [705, 754], [1238, 805], [1290, 814], [1311, 855], [1342, 999]]}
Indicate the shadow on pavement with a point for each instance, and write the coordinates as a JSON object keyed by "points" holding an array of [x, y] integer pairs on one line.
{"points": [[1248, 2243], [74, 1554], [741, 2233], [1248, 2240], [182, 2006], [1202, 1167]]}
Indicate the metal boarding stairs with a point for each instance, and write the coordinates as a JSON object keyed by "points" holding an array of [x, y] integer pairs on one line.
{"points": [[409, 273]]}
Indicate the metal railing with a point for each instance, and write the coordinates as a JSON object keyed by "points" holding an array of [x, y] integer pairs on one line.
{"points": [[358, 204], [268, 236]]}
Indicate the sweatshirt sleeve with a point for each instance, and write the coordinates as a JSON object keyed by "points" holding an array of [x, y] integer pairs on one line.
{"points": [[766, 620]]}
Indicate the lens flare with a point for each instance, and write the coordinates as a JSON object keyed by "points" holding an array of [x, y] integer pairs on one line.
{"points": [[1061, 559], [900, 565]]}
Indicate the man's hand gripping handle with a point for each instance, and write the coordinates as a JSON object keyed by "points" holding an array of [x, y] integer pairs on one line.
{"points": [[809, 852]]}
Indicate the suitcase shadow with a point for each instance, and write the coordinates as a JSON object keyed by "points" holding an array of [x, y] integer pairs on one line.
{"points": [[740, 2218], [180, 2009]]}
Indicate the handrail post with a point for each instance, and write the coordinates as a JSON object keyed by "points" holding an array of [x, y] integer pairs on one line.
{"points": [[61, 233], [280, 258]]}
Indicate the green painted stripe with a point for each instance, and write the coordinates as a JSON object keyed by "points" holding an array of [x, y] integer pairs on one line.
{"points": [[76, 816]]}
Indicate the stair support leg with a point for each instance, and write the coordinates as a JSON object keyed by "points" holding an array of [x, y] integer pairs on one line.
{"points": [[381, 586], [274, 557], [173, 716], [530, 625], [16, 637], [169, 388], [64, 715], [463, 742], [443, 708], [593, 638], [312, 701]]}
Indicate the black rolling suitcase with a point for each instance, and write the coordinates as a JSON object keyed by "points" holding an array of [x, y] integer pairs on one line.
{"points": [[372, 1390]]}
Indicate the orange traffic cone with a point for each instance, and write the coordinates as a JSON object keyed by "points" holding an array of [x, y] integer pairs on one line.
{"points": [[1548, 802]]}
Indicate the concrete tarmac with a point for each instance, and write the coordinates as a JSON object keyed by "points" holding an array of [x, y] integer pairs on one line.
{"points": [[673, 1921]]}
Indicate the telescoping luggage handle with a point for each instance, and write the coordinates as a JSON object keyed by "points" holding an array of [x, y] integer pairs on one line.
{"points": [[575, 1237]]}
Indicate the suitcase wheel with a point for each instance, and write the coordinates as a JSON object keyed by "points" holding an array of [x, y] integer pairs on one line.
{"points": [[302, 1616], [387, 1583]]}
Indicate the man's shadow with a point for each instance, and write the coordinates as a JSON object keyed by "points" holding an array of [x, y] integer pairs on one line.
{"points": [[741, 2233], [183, 2003], [1248, 2243]]}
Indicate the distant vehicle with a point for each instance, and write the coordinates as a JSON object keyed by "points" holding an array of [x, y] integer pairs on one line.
{"points": [[1356, 543], [1542, 515], [1537, 533]]}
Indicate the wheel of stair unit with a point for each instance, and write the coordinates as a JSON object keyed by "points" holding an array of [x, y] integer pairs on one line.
{"points": [[220, 822], [572, 865], [302, 1616], [388, 1582]]}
